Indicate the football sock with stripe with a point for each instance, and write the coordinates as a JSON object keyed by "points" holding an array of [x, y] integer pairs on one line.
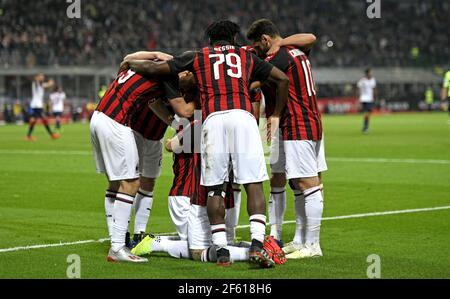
{"points": [[313, 211], [277, 208], [232, 216], [110, 197], [143, 203], [258, 227], [178, 249], [122, 211], [219, 236], [300, 217]]}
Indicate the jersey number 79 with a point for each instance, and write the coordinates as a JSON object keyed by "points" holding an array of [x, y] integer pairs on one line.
{"points": [[234, 68]]}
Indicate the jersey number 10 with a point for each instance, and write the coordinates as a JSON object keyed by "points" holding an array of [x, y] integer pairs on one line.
{"points": [[234, 68]]}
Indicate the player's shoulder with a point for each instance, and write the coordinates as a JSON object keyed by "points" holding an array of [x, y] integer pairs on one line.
{"points": [[286, 53]]}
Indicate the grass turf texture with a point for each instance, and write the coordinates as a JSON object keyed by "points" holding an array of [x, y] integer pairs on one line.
{"points": [[49, 198]]}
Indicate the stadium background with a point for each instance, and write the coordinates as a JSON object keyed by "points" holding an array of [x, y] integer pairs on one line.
{"points": [[408, 47], [50, 189]]}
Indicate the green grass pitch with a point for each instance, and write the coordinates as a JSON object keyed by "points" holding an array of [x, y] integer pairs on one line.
{"points": [[50, 193]]}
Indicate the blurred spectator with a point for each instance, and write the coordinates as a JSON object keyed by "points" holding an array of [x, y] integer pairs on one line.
{"points": [[39, 33]]}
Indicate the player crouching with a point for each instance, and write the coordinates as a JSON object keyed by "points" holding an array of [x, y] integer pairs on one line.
{"points": [[193, 224]]}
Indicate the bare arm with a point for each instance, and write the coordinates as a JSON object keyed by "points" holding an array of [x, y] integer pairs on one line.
{"points": [[147, 55], [282, 82], [147, 67], [304, 41], [160, 109], [256, 107], [50, 83], [181, 108]]}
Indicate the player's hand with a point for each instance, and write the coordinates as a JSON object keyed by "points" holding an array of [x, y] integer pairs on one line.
{"points": [[273, 124], [172, 144], [160, 56], [124, 66], [168, 145]]}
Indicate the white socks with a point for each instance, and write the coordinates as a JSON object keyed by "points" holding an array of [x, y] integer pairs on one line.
{"points": [[300, 217], [219, 236], [313, 212], [277, 208], [258, 227], [110, 197], [122, 211], [178, 249], [232, 216], [143, 203]]}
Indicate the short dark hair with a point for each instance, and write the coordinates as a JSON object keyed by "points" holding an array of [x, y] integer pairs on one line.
{"points": [[367, 71], [260, 27], [222, 30]]}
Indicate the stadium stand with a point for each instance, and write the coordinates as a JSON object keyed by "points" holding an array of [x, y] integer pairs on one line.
{"points": [[35, 33]]}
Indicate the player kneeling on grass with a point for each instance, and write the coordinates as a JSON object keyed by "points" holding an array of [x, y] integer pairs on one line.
{"points": [[186, 170], [223, 73], [195, 225], [149, 124], [116, 153]]}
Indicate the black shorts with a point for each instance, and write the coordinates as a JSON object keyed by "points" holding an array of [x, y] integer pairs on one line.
{"points": [[367, 107], [37, 113], [55, 114]]}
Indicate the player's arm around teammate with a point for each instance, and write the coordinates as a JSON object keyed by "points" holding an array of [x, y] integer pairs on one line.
{"points": [[302, 138]]}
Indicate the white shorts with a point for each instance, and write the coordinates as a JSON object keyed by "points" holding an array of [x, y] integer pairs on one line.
{"points": [[304, 158], [199, 229], [114, 147], [277, 156], [179, 207], [232, 135], [150, 156]]}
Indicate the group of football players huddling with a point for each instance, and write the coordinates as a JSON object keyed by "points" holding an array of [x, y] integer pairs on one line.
{"points": [[213, 97]]}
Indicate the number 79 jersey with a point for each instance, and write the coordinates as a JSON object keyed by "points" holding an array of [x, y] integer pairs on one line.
{"points": [[223, 74]]}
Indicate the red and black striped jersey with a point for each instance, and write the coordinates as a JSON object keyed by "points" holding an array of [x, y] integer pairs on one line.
{"points": [[183, 169], [187, 172], [147, 123], [186, 166], [301, 120], [186, 182], [125, 93], [223, 74]]}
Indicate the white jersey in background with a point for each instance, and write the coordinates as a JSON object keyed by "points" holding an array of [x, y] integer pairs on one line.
{"points": [[366, 87], [37, 91], [57, 101]]}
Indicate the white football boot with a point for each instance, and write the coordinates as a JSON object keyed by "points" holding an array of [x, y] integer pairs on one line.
{"points": [[124, 255], [307, 251], [292, 247]]}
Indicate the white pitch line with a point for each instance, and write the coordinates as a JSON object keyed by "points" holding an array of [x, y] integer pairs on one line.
{"points": [[331, 159], [384, 160], [52, 245], [239, 226], [364, 215]]}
